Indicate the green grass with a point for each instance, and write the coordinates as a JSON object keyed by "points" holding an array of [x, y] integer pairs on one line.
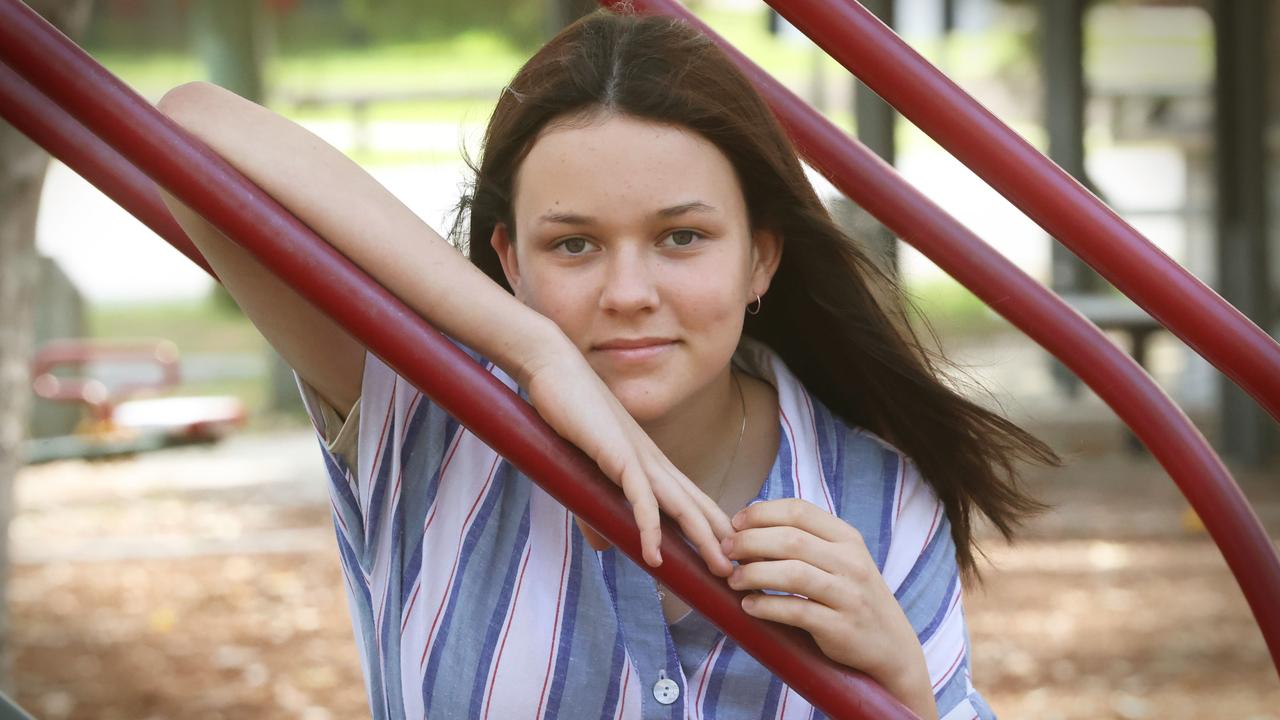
{"points": [[476, 59], [469, 60], [484, 60], [193, 325], [951, 310]]}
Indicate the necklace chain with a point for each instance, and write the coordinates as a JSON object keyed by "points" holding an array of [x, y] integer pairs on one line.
{"points": [[742, 401]]}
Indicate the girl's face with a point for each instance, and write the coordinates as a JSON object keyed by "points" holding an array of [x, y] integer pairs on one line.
{"points": [[633, 237]]}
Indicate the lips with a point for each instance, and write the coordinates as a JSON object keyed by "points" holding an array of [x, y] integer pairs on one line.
{"points": [[634, 349], [632, 344]]}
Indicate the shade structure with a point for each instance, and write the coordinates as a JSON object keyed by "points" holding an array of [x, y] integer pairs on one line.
{"points": [[1048, 194], [1045, 318]]}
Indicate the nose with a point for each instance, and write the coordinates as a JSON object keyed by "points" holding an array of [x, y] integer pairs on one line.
{"points": [[630, 282]]}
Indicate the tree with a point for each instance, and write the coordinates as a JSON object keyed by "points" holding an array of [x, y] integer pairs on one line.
{"points": [[22, 171]]}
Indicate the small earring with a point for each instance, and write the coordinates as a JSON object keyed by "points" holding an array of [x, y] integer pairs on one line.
{"points": [[758, 303]]}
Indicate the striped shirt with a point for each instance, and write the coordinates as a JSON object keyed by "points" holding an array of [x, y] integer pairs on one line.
{"points": [[474, 594]]}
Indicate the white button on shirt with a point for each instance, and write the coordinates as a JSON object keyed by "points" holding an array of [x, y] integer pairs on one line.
{"points": [[665, 691], [474, 595]]}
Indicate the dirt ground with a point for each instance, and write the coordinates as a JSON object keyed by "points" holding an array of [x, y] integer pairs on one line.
{"points": [[202, 583]]}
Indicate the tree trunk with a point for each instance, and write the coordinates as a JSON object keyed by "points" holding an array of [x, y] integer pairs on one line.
{"points": [[22, 170]]}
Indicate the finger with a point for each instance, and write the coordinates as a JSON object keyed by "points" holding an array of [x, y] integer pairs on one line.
{"points": [[796, 513], [788, 543], [720, 523], [698, 530], [791, 610], [684, 508], [791, 576], [638, 491]]}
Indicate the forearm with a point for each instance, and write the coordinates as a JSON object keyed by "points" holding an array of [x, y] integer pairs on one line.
{"points": [[366, 223]]}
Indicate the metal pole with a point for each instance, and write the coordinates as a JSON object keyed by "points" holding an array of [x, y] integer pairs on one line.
{"points": [[208, 185], [1117, 379], [1049, 196]]}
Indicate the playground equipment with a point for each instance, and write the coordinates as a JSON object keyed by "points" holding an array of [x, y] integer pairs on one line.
{"points": [[48, 87], [120, 418]]}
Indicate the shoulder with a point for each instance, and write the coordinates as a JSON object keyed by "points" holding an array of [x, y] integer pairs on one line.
{"points": [[382, 387], [862, 461], [878, 489]]}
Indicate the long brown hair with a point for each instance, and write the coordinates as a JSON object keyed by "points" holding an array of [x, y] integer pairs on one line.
{"points": [[833, 316]]}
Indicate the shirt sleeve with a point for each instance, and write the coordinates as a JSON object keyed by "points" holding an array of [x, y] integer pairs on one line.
{"points": [[337, 431], [921, 570], [391, 432]]}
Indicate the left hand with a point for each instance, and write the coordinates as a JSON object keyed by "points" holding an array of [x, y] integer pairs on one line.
{"points": [[794, 546]]}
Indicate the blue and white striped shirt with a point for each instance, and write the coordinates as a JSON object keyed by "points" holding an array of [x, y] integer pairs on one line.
{"points": [[474, 595]]}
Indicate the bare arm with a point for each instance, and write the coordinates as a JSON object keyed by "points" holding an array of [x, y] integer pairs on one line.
{"points": [[349, 209], [352, 211]]}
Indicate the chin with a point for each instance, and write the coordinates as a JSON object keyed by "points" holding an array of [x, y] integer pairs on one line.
{"points": [[642, 400]]}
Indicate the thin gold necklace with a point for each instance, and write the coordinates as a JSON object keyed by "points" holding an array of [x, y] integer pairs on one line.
{"points": [[742, 401]]}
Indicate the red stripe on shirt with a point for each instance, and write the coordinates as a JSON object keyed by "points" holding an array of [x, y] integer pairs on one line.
{"points": [[937, 512], [555, 629], [626, 680], [511, 616], [377, 456], [444, 467], [795, 460], [817, 454], [461, 533], [902, 466], [706, 672], [950, 671]]}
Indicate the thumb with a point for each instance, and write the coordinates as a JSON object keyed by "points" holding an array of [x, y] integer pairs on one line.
{"points": [[594, 539]]}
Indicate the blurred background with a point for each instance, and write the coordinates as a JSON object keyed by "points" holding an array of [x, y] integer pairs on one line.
{"points": [[170, 549]]}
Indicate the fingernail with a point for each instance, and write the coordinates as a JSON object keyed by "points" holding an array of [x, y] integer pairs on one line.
{"points": [[727, 545], [737, 521]]}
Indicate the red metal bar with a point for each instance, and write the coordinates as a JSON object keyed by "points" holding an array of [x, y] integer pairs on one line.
{"points": [[163, 354], [1044, 317], [407, 343], [1045, 192], [40, 119]]}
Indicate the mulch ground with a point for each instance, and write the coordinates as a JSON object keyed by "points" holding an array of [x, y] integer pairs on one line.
{"points": [[1112, 606]]}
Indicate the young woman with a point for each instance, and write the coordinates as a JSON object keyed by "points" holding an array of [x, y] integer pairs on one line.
{"points": [[649, 266]]}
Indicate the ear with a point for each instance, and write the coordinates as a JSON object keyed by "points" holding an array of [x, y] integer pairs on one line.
{"points": [[766, 255], [501, 243]]}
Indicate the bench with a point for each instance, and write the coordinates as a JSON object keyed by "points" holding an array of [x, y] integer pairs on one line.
{"points": [[1115, 313]]}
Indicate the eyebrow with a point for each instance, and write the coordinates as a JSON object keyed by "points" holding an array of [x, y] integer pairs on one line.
{"points": [[569, 218]]}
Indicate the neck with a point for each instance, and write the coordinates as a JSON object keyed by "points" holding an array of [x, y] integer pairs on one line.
{"points": [[702, 455]]}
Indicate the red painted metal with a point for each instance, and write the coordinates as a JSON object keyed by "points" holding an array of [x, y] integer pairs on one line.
{"points": [[1045, 192], [191, 172], [80, 353], [1044, 317], [40, 119]]}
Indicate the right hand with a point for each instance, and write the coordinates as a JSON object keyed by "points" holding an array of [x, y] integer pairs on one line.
{"points": [[571, 397]]}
